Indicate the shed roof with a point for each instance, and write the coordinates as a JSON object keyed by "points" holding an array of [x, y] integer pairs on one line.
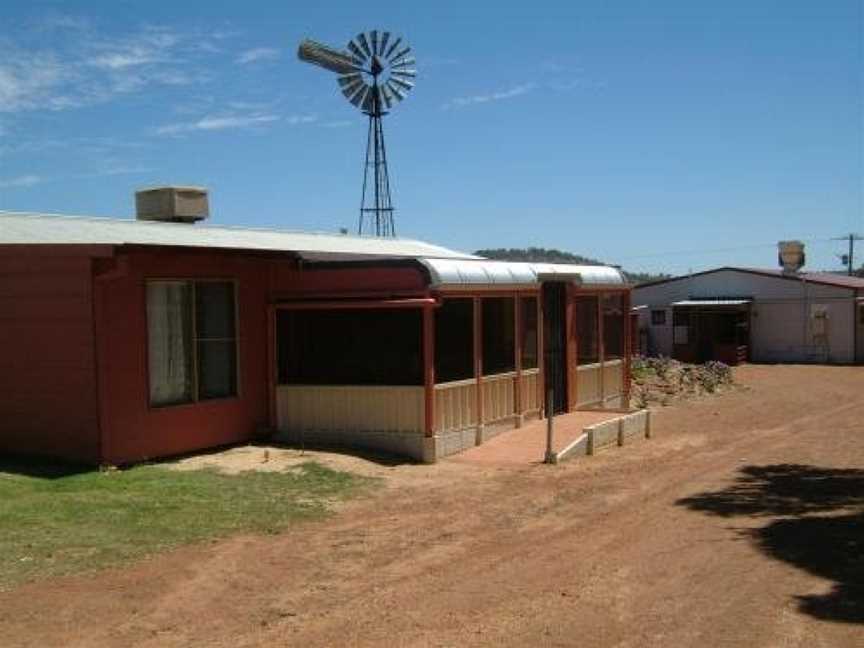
{"points": [[457, 273], [712, 302], [824, 278], [52, 229]]}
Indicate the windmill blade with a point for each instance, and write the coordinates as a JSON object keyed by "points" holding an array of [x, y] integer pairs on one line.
{"points": [[350, 79], [393, 47], [405, 85], [398, 56], [405, 62], [326, 57], [361, 38], [412, 74], [350, 90], [369, 100], [396, 91], [374, 35], [387, 96], [358, 53], [360, 98], [384, 38]]}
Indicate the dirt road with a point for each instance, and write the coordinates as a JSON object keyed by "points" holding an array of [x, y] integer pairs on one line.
{"points": [[740, 524]]}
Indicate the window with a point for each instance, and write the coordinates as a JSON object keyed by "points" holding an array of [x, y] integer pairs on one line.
{"points": [[681, 327], [658, 318], [215, 339], [528, 313], [587, 330], [192, 341], [613, 327], [454, 340], [499, 335], [681, 317], [350, 347]]}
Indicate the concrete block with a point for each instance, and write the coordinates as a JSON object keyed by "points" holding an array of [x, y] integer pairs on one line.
{"points": [[603, 435], [406, 444]]}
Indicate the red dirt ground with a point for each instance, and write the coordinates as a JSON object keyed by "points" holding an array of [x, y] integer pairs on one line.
{"points": [[594, 552]]}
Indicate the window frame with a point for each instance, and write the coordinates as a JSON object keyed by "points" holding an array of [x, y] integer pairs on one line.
{"points": [[655, 312], [596, 297], [521, 332], [469, 334], [283, 378], [195, 399], [508, 320]]}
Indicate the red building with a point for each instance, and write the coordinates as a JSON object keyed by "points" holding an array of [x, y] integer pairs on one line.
{"points": [[126, 340]]}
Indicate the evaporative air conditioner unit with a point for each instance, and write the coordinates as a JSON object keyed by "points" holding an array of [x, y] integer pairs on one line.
{"points": [[172, 204]]}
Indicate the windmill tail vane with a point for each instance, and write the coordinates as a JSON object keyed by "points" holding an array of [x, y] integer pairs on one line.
{"points": [[375, 72]]}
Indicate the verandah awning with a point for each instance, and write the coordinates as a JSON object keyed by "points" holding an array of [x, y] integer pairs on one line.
{"points": [[483, 272]]}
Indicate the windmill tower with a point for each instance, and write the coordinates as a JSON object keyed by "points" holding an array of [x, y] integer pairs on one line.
{"points": [[375, 73]]}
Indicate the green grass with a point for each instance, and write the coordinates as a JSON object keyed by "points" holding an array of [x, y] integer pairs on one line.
{"points": [[52, 524]]}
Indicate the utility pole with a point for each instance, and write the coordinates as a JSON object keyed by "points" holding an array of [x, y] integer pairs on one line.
{"points": [[850, 258]]}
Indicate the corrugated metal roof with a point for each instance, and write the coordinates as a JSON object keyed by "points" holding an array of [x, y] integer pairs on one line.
{"points": [[26, 228], [830, 278], [712, 302], [824, 278], [449, 272]]}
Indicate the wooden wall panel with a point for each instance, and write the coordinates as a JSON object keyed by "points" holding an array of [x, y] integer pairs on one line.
{"points": [[455, 406], [589, 386], [47, 365], [530, 394], [499, 397], [350, 408]]}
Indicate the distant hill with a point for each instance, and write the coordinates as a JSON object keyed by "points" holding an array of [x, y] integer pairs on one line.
{"points": [[551, 255]]}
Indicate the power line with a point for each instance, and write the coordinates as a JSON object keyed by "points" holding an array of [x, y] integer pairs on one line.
{"points": [[755, 246], [849, 259]]}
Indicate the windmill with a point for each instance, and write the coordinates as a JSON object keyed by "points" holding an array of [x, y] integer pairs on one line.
{"points": [[375, 73]]}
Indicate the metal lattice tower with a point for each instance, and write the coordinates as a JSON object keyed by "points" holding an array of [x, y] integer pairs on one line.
{"points": [[376, 206], [375, 73]]}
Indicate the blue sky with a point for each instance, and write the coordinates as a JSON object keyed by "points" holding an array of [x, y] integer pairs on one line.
{"points": [[665, 136]]}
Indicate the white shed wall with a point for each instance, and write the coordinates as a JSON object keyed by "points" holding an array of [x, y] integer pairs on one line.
{"points": [[860, 353], [782, 329]]}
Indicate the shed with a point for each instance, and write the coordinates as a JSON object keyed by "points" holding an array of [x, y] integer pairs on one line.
{"points": [[735, 314]]}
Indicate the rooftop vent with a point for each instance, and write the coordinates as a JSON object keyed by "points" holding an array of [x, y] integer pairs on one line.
{"points": [[791, 256], [172, 204]]}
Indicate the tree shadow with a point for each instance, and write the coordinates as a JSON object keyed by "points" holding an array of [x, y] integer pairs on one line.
{"points": [[819, 527]]}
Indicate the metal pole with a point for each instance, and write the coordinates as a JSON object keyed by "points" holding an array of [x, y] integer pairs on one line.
{"points": [[550, 456]]}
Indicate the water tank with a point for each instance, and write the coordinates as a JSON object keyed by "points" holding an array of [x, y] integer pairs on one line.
{"points": [[791, 255], [172, 204]]}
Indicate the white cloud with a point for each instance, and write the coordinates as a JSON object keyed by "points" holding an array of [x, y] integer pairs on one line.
{"points": [[515, 91], [21, 181], [301, 119], [341, 123], [214, 123], [59, 21], [82, 67], [233, 121], [257, 54], [121, 170]]}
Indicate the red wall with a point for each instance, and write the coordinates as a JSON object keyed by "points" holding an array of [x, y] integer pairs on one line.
{"points": [[73, 346], [47, 378], [291, 282], [132, 430]]}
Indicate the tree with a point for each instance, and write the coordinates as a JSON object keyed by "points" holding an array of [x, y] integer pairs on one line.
{"points": [[552, 255]]}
